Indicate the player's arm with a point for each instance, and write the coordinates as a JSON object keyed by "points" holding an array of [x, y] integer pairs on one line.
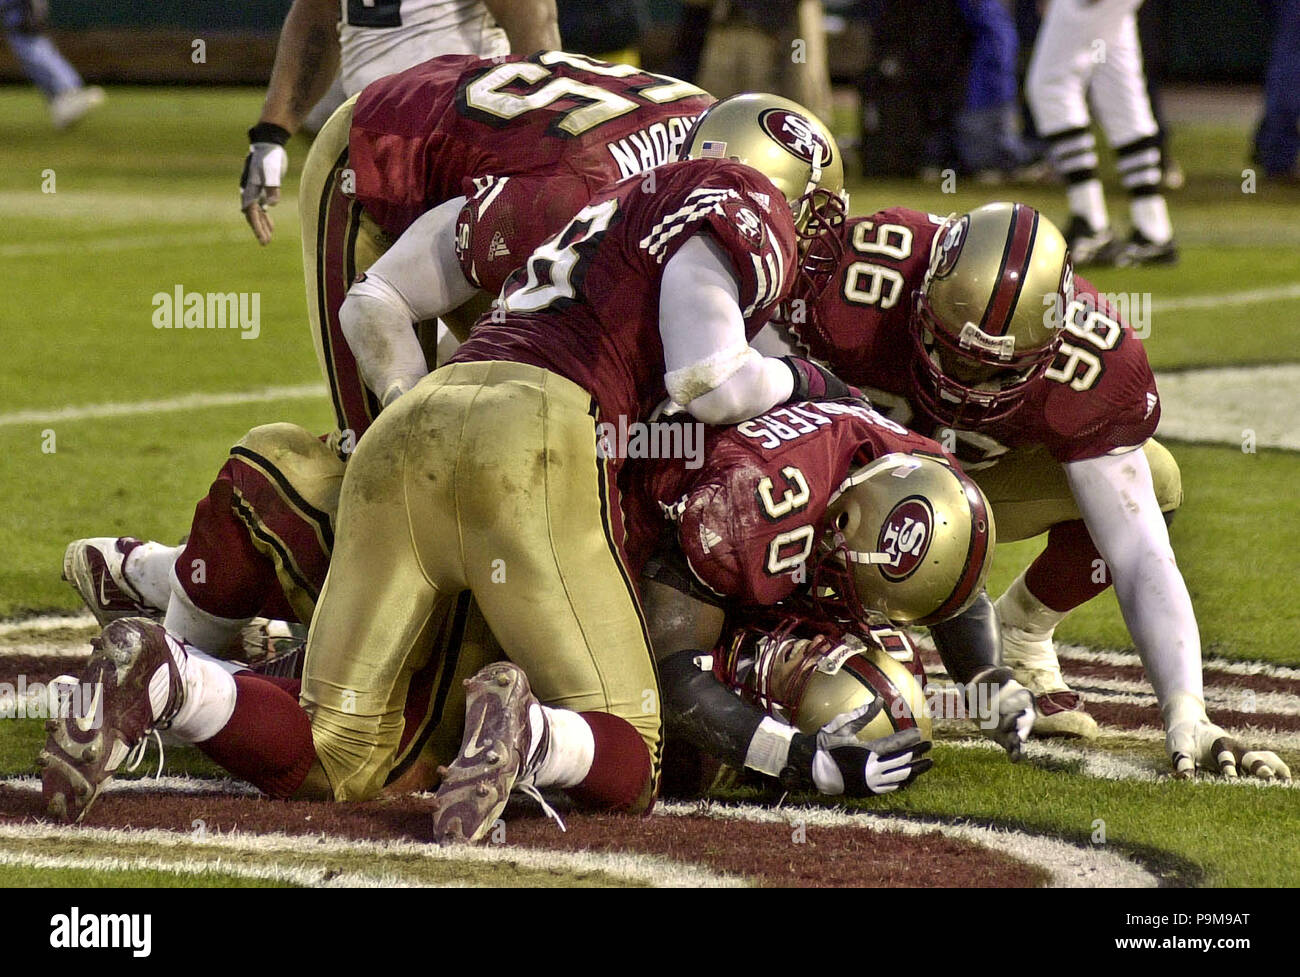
{"points": [[1116, 496], [531, 25], [306, 61], [711, 369], [418, 278], [703, 711]]}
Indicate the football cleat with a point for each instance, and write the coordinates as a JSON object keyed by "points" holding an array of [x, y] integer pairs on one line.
{"points": [[138, 688], [496, 755], [95, 568], [68, 108], [1032, 658], [1141, 250], [1090, 247]]}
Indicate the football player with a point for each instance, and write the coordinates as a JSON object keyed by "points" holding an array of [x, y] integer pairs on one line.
{"points": [[653, 288], [372, 40], [805, 505], [973, 329], [436, 183], [463, 165]]}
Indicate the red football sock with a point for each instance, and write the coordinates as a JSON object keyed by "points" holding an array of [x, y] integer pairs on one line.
{"points": [[268, 738], [619, 779], [1069, 571]]}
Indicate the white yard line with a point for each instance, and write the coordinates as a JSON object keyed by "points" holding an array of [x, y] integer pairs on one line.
{"points": [[1104, 657], [47, 622], [649, 869], [300, 391], [1248, 296], [1249, 407], [1067, 865], [134, 242]]}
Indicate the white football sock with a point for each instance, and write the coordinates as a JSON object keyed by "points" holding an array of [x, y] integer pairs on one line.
{"points": [[148, 569], [196, 626], [1088, 200], [1150, 215], [209, 695], [571, 750], [1019, 608]]}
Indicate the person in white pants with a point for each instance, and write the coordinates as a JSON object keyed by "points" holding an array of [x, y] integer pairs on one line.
{"points": [[1091, 47], [373, 39]]}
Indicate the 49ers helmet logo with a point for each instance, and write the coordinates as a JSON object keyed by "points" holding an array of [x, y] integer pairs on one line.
{"points": [[905, 537], [796, 136], [949, 249]]}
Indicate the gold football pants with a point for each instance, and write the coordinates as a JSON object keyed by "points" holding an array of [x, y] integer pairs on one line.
{"points": [[485, 477], [1030, 494]]}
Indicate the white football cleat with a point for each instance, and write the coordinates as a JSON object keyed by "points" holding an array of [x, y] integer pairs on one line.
{"points": [[1028, 649], [95, 568], [68, 108]]}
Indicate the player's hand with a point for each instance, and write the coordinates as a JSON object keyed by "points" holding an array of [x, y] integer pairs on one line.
{"points": [[1003, 708], [843, 764], [264, 169], [812, 381], [1194, 743]]}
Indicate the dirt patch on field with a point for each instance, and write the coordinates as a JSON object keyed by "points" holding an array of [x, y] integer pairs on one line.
{"points": [[772, 854]]}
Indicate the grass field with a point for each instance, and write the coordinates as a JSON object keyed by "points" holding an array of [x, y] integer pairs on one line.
{"points": [[144, 200]]}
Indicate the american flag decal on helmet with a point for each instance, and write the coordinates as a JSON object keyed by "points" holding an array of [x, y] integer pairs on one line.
{"points": [[713, 149]]}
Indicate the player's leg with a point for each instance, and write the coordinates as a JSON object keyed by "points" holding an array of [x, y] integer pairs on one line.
{"points": [[383, 598], [339, 241], [1030, 495], [1123, 108], [1072, 39], [260, 541], [545, 567]]}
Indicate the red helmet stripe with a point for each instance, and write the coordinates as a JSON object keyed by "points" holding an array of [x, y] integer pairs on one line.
{"points": [[874, 678], [1011, 276], [976, 552]]}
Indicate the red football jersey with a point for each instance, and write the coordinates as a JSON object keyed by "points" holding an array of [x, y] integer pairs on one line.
{"points": [[440, 129], [1098, 394], [749, 518], [586, 304]]}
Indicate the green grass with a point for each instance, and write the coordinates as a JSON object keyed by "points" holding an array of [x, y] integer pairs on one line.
{"points": [[22, 877], [146, 200]]}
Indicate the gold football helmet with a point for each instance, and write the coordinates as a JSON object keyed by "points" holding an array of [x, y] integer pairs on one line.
{"points": [[808, 681], [787, 144], [987, 319], [914, 537]]}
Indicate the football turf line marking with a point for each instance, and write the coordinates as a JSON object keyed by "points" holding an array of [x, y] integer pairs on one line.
{"points": [[1224, 665], [1216, 696], [115, 244], [1067, 865], [225, 787], [1249, 296], [1220, 404], [300, 391], [1110, 766], [48, 622], [650, 869], [319, 878]]}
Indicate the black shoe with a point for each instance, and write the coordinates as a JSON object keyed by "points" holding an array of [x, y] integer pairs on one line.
{"points": [[1141, 250], [1089, 247]]}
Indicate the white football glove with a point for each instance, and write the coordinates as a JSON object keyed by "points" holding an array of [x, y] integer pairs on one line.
{"points": [[843, 764], [1194, 743], [264, 169], [1003, 708]]}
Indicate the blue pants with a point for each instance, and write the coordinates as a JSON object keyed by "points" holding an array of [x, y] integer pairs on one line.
{"points": [[34, 51], [986, 127], [1277, 141]]}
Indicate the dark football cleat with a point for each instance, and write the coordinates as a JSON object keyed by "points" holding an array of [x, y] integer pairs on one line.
{"points": [[94, 567], [494, 755], [1141, 250], [137, 688], [1088, 246]]}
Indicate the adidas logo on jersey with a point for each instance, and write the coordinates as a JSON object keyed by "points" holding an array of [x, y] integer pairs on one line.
{"points": [[497, 249], [708, 538]]}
